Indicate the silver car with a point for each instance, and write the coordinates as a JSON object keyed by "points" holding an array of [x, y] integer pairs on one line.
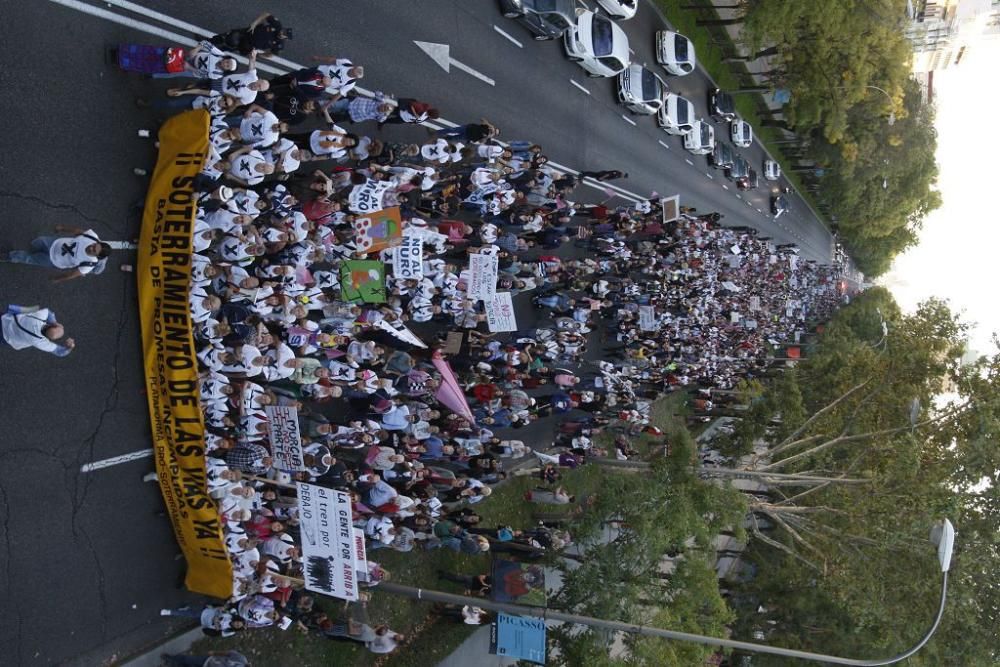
{"points": [[641, 90]]}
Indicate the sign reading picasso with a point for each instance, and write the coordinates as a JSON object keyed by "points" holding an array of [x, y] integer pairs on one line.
{"points": [[164, 277]]}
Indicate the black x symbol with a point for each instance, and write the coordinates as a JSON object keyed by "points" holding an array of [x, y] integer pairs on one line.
{"points": [[68, 249]]}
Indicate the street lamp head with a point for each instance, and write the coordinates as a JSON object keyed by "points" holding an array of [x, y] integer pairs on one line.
{"points": [[943, 535]]}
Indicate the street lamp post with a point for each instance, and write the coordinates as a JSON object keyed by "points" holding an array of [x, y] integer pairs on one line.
{"points": [[943, 536]]}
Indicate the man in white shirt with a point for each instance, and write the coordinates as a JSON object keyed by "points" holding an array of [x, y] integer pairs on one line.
{"points": [[75, 255], [31, 326]]}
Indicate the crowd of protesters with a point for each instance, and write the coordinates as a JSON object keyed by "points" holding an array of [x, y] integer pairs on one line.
{"points": [[684, 304]]}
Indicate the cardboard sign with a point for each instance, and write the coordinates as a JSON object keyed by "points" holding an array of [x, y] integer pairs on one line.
{"points": [[483, 272], [286, 444], [378, 231], [408, 258], [368, 197], [329, 544], [453, 344], [500, 313], [362, 280]]}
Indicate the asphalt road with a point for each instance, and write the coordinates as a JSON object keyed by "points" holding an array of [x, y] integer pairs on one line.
{"points": [[85, 562]]}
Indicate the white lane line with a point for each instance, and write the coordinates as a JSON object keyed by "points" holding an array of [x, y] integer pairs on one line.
{"points": [[739, 196], [181, 39], [663, 144], [584, 4], [689, 162], [709, 175], [628, 120], [145, 27], [507, 36], [725, 187], [759, 211], [115, 460]]}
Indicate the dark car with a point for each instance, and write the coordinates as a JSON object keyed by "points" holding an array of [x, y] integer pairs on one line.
{"points": [[739, 171], [546, 19], [779, 205], [721, 106], [750, 182], [722, 156]]}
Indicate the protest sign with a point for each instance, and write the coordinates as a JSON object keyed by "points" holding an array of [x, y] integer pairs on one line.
{"points": [[647, 318], [329, 548], [500, 313], [362, 280], [483, 272], [368, 196], [519, 638], [408, 258], [283, 430], [754, 303], [378, 231], [163, 274], [671, 208], [399, 331], [731, 286]]}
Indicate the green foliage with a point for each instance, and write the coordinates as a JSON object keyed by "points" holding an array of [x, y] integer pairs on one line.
{"points": [[875, 584]]}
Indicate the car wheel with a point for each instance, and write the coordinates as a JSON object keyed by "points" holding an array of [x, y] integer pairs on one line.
{"points": [[542, 38]]}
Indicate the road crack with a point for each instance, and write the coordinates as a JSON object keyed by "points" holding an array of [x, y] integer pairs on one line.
{"points": [[63, 207]]}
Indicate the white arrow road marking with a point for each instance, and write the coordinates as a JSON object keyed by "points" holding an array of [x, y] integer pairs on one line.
{"points": [[509, 37], [115, 460], [441, 54]]}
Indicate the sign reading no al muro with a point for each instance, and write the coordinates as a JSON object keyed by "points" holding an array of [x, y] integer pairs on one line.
{"points": [[164, 278]]}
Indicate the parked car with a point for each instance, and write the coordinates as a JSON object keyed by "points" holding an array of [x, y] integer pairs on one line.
{"points": [[741, 133], [546, 19], [619, 9], [772, 170], [750, 182], [676, 116], [721, 157], [721, 106], [700, 139], [640, 89], [675, 52], [779, 205], [739, 171], [597, 44]]}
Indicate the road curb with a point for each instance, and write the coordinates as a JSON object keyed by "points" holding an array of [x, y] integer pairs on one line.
{"points": [[150, 656]]}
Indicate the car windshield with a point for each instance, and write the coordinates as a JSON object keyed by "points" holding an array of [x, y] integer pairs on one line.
{"points": [[680, 48], [602, 36], [724, 102], [682, 112], [650, 86]]}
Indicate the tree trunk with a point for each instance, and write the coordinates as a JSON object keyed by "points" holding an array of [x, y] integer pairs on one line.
{"points": [[705, 22], [770, 51], [777, 123]]}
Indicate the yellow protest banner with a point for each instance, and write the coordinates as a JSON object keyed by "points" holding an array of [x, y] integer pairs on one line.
{"points": [[164, 277]]}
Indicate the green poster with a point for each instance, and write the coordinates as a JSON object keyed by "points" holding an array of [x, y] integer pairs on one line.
{"points": [[362, 280]]}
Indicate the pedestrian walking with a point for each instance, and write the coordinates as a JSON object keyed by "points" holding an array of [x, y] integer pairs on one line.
{"points": [[265, 35], [32, 326], [604, 175], [77, 255]]}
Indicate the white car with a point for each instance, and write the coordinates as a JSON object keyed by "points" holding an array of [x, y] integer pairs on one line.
{"points": [[772, 170], [676, 116], [675, 52], [700, 139], [619, 9], [640, 89], [741, 133], [597, 44]]}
